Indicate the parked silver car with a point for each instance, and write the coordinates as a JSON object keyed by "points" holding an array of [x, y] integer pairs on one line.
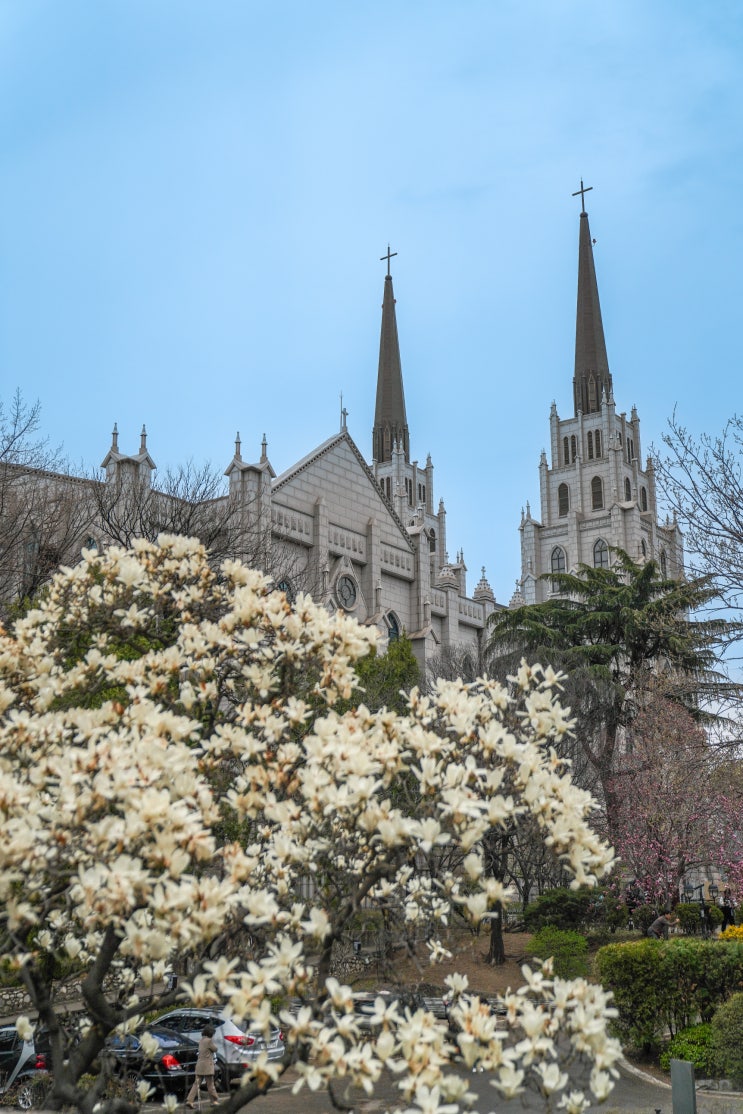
{"points": [[238, 1046]]}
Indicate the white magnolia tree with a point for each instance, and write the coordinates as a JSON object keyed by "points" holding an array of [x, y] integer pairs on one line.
{"points": [[172, 769]]}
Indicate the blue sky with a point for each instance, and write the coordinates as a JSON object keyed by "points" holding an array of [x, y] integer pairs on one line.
{"points": [[194, 197]]}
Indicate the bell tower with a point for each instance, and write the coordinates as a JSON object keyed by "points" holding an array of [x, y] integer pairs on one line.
{"points": [[595, 495]]}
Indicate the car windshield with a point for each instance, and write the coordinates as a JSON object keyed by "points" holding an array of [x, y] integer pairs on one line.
{"points": [[129, 1041]]}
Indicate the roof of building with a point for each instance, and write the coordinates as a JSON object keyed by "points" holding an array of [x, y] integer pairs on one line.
{"points": [[590, 345], [390, 406]]}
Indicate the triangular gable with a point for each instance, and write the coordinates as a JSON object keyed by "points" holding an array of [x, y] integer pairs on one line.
{"points": [[342, 444]]}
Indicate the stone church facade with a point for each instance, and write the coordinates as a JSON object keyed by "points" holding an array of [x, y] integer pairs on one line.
{"points": [[363, 537], [368, 538]]}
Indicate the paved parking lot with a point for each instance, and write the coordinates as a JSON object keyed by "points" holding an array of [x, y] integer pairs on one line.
{"points": [[634, 1092]]}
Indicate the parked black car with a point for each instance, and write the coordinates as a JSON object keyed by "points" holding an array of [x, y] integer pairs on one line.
{"points": [[170, 1072]]}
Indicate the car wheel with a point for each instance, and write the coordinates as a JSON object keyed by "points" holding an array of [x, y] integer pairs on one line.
{"points": [[129, 1081], [30, 1095]]}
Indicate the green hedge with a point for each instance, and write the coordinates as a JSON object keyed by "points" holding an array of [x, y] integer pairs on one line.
{"points": [[667, 985], [561, 907], [695, 1045], [727, 1038], [568, 949]]}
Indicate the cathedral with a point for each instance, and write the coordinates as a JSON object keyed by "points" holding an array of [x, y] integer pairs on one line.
{"points": [[378, 541], [368, 536]]}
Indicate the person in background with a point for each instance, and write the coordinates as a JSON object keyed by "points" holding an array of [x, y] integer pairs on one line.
{"points": [[205, 1068], [728, 909], [660, 926]]}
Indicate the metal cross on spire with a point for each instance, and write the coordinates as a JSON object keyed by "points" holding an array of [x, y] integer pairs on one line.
{"points": [[583, 191], [388, 256]]}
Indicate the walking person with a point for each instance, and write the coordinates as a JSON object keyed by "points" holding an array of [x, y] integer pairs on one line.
{"points": [[205, 1068], [728, 907], [660, 926]]}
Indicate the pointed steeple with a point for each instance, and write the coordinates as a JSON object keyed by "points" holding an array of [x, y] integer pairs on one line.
{"points": [[592, 376], [390, 422]]}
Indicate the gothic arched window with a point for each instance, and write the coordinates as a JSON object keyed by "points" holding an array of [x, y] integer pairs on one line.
{"points": [[590, 446], [643, 499], [600, 555], [597, 493], [563, 500], [557, 561], [393, 626], [627, 490], [663, 564], [597, 442], [644, 548], [573, 450], [287, 588], [592, 393], [557, 564]]}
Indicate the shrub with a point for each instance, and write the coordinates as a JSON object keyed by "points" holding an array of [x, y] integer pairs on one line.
{"points": [[727, 1038], [689, 918], [617, 913], [568, 949], [695, 1045], [562, 908], [663, 985], [631, 972], [643, 916], [597, 910], [734, 932]]}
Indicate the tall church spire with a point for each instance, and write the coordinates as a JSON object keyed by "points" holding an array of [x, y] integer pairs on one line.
{"points": [[592, 376], [390, 422]]}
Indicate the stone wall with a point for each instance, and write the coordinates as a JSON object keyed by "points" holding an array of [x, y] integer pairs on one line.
{"points": [[14, 1000]]}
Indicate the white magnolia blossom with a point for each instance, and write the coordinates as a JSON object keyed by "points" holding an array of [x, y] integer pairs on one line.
{"points": [[174, 765]]}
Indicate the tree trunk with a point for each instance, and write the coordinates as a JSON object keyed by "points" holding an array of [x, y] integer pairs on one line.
{"points": [[497, 951]]}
